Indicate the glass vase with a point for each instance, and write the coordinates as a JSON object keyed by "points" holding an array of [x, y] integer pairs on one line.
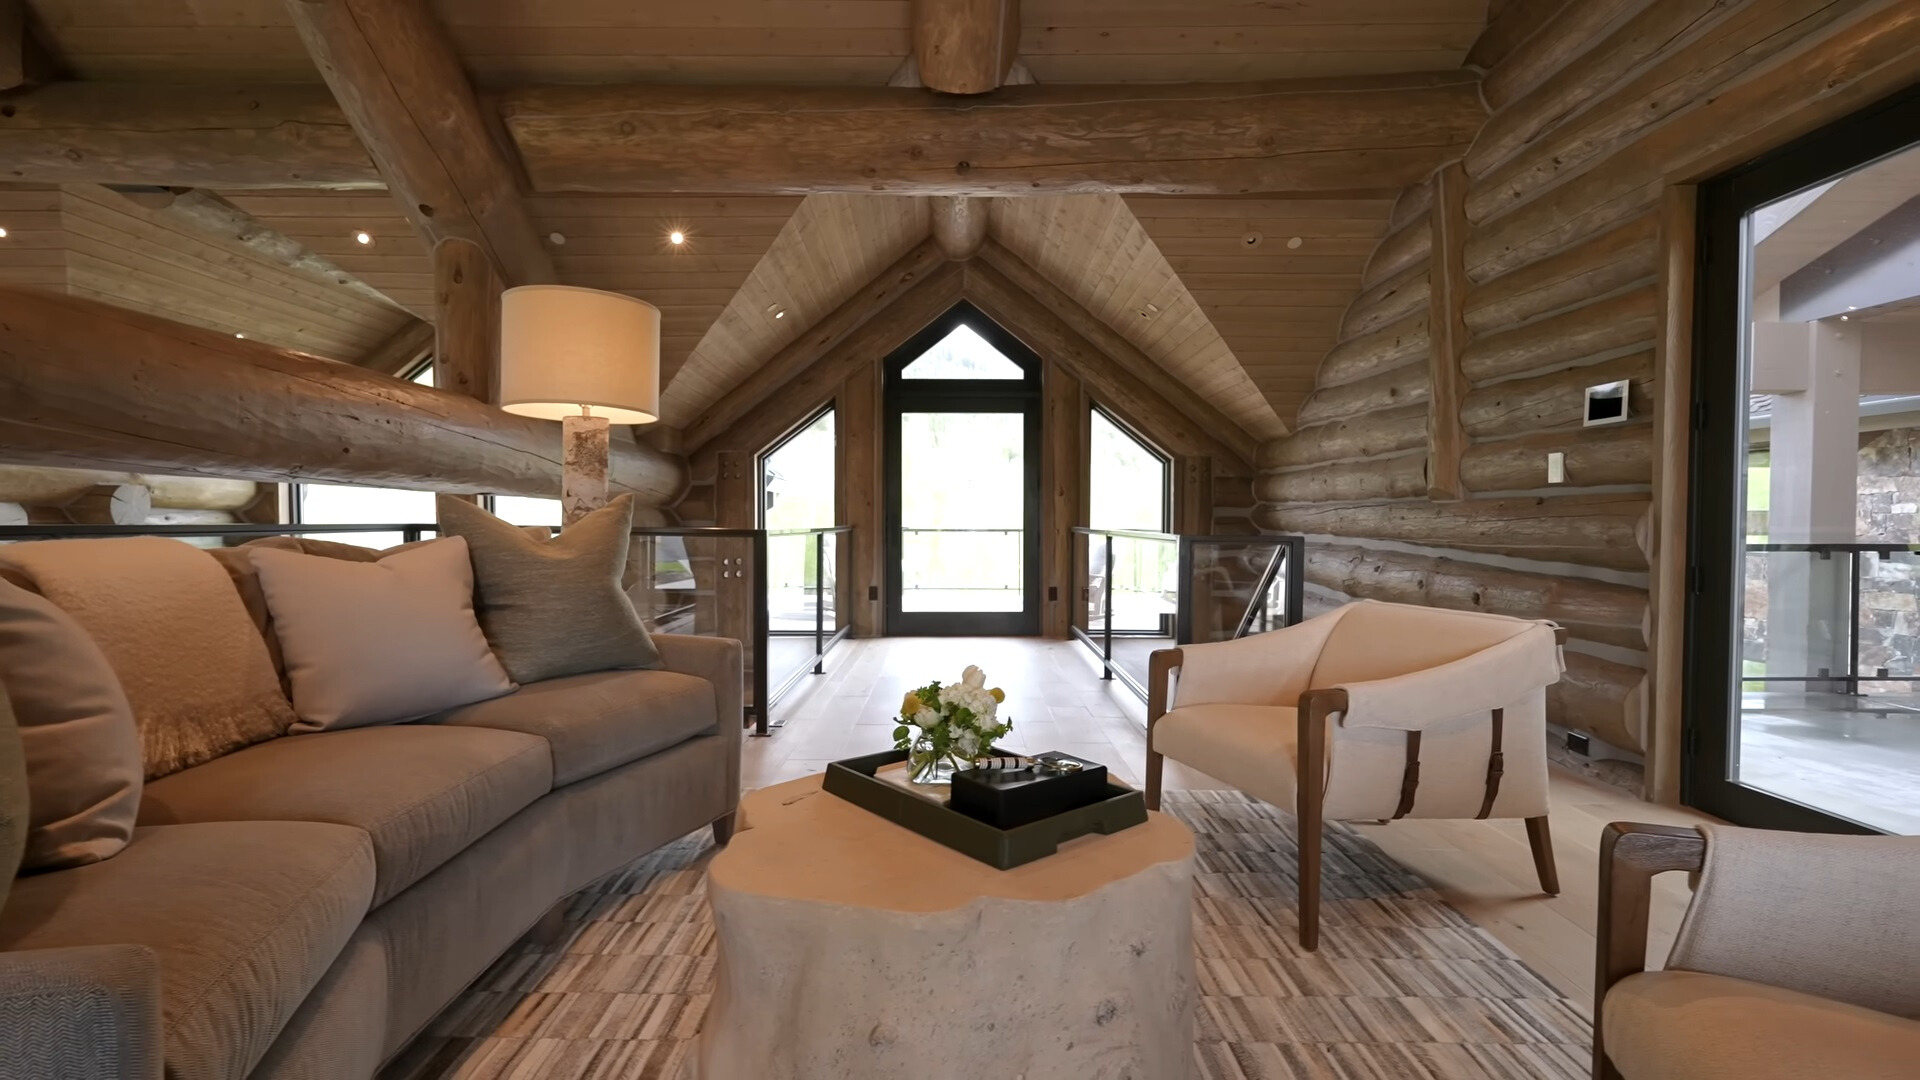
{"points": [[925, 766]]}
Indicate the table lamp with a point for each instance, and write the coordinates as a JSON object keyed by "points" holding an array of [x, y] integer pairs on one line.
{"points": [[589, 359]]}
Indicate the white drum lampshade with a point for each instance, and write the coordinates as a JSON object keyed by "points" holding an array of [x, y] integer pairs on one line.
{"points": [[566, 351]]}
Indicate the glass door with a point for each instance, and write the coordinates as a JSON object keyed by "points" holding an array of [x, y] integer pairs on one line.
{"points": [[1804, 691], [963, 478]]}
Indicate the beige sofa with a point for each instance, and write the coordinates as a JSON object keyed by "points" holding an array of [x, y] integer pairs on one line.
{"points": [[303, 907]]}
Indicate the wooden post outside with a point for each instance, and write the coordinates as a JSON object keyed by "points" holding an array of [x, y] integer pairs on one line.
{"points": [[1673, 367], [1447, 333]]}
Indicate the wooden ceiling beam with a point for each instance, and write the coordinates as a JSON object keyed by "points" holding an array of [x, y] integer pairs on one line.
{"points": [[1176, 139], [394, 72], [818, 340], [85, 384], [965, 46], [1123, 353], [959, 224], [432, 139]]}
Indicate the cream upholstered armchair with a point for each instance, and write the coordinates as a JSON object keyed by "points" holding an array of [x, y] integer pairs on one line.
{"points": [[1798, 959], [1372, 711]]}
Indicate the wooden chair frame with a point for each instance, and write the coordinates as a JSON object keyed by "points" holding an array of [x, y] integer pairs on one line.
{"points": [[1315, 713], [1630, 856]]}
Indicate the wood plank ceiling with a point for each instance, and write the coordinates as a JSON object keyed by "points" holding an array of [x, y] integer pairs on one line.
{"points": [[1244, 323]]}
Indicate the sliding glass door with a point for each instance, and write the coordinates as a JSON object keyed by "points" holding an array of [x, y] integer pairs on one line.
{"points": [[1804, 644], [963, 478]]}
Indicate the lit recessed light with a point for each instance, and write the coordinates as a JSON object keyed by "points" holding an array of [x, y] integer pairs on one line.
{"points": [[3, 232], [776, 311], [557, 238], [363, 238], [1294, 242], [239, 335], [1843, 318], [781, 314], [676, 238]]}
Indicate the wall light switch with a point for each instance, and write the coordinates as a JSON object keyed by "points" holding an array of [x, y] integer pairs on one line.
{"points": [[1556, 467]]}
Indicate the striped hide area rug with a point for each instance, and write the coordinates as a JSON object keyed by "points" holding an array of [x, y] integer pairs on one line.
{"points": [[1403, 986]]}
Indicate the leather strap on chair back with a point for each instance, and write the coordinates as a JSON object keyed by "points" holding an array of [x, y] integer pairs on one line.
{"points": [[1496, 765], [1409, 780]]}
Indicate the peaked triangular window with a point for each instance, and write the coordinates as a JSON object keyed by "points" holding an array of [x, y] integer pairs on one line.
{"points": [[963, 354]]}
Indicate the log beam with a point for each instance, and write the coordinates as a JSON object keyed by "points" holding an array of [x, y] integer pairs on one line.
{"points": [[1448, 332], [965, 46], [1594, 458], [1185, 139], [1593, 530], [13, 43], [466, 309], [1403, 477], [88, 385], [181, 136], [1200, 412], [394, 72], [1369, 435], [58, 487], [819, 339], [959, 224], [1591, 610]]}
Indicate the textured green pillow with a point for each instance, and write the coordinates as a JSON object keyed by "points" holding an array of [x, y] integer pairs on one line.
{"points": [[13, 798], [553, 607]]}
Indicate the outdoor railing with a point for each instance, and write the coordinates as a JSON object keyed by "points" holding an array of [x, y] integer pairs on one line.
{"points": [[710, 582], [1849, 615], [1142, 591]]}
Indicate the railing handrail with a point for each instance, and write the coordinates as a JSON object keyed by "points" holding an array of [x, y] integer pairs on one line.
{"points": [[1857, 545], [816, 530], [1131, 534]]}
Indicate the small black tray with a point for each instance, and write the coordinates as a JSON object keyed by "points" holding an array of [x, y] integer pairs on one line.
{"points": [[1010, 798], [1004, 849]]}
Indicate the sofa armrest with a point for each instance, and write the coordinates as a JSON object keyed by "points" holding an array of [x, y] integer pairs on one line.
{"points": [[1630, 857], [89, 1013], [719, 661]]}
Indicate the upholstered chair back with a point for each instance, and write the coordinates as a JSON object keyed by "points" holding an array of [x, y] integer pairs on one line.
{"points": [[1372, 640]]}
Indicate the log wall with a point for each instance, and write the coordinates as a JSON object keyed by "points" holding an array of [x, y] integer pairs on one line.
{"points": [[1558, 285]]}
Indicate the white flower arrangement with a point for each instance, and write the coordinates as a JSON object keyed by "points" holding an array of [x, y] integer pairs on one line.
{"points": [[957, 720]]}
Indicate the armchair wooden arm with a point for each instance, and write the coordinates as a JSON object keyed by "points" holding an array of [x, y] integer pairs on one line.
{"points": [[1630, 856], [1160, 668]]}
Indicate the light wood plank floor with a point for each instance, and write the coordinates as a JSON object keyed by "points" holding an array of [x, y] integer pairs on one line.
{"points": [[1059, 702]]}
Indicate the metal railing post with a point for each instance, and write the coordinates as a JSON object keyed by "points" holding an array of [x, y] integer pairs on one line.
{"points": [[1106, 658], [762, 634], [819, 603]]}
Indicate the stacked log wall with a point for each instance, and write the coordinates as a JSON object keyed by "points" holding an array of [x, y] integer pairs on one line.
{"points": [[1559, 277]]}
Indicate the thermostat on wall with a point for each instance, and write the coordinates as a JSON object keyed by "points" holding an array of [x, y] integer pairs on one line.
{"points": [[1606, 404]]}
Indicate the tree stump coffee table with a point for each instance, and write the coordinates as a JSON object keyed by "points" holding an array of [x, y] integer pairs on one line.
{"points": [[851, 948]]}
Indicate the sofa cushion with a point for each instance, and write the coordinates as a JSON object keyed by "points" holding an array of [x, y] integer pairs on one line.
{"points": [[554, 607], [170, 622], [379, 642], [1682, 1025], [423, 793], [597, 721], [1252, 747], [245, 918], [77, 735]]}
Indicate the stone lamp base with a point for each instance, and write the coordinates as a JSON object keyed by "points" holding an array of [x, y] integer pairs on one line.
{"points": [[583, 476]]}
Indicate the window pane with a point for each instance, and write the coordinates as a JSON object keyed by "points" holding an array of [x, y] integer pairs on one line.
{"points": [[962, 511], [963, 354], [425, 375], [1128, 481], [1828, 684], [347, 504], [799, 479], [526, 510]]}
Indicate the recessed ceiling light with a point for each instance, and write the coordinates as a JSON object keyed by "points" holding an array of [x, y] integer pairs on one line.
{"points": [[1294, 242], [238, 334], [363, 237], [1843, 318], [781, 314], [557, 238], [676, 238], [3, 232], [776, 311]]}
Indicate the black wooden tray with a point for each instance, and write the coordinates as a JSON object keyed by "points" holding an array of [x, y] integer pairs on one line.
{"points": [[1004, 849]]}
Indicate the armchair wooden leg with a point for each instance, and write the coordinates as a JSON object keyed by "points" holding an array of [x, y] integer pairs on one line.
{"points": [[723, 828], [1154, 762], [1542, 843], [1310, 876], [1316, 707]]}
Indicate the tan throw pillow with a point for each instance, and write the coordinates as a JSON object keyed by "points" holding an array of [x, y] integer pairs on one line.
{"points": [[554, 607], [379, 642], [77, 736], [238, 563], [170, 622]]}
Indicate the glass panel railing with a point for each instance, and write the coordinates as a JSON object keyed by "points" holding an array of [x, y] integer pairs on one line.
{"points": [[962, 570], [1143, 591], [804, 609]]}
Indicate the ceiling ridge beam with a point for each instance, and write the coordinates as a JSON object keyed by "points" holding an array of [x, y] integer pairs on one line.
{"points": [[1114, 345], [964, 46], [396, 75], [816, 341]]}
